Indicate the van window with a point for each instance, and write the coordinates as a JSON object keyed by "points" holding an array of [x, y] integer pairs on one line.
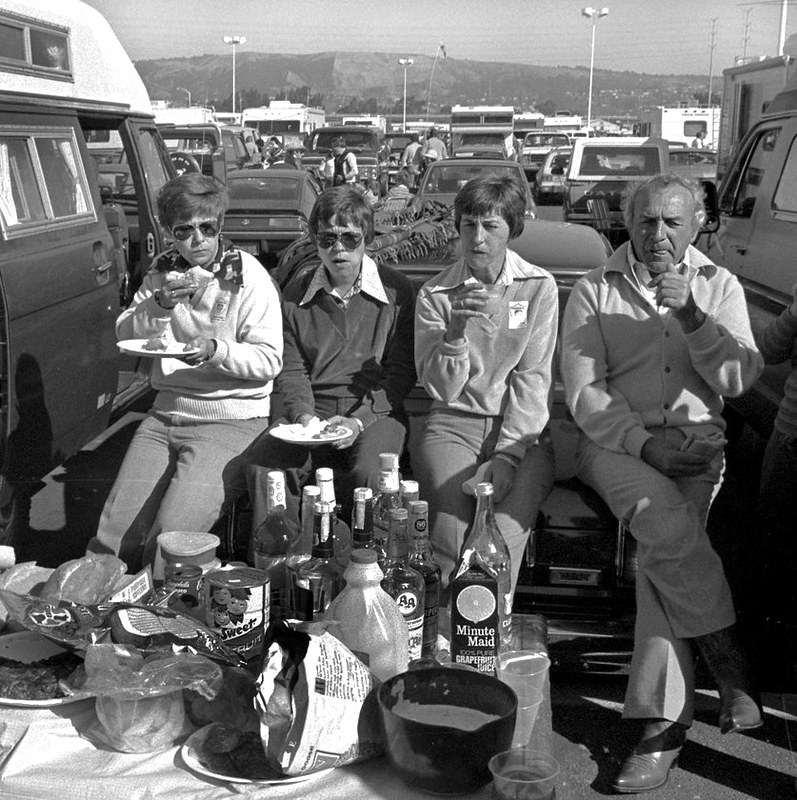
{"points": [[786, 193], [41, 182], [741, 194], [31, 45]]}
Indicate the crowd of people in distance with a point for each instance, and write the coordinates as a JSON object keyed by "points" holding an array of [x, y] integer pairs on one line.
{"points": [[649, 344]]}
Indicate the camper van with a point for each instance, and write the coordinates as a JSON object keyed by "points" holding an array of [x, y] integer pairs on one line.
{"points": [[81, 161]]}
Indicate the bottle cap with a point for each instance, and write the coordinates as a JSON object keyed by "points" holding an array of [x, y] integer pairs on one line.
{"points": [[311, 490], [363, 493], [398, 513], [388, 461], [363, 556], [484, 488], [409, 487], [323, 507], [323, 474], [418, 507]]}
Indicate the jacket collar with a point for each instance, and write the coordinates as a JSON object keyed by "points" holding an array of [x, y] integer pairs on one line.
{"points": [[459, 274], [623, 258], [370, 282], [226, 264]]}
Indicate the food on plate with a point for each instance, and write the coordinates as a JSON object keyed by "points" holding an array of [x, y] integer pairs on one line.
{"points": [[331, 432], [38, 680], [156, 343], [25, 578], [88, 580], [232, 706], [234, 753]]}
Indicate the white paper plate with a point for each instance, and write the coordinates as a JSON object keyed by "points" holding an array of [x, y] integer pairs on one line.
{"points": [[192, 748], [27, 646], [136, 347], [299, 434]]}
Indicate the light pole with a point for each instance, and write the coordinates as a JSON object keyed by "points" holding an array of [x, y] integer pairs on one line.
{"points": [[234, 40], [405, 62], [180, 89], [594, 14]]}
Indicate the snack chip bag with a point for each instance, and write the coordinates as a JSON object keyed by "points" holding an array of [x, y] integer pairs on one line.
{"points": [[316, 701]]}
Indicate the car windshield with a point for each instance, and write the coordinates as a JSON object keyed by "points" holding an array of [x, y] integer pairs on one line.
{"points": [[356, 141], [608, 160], [398, 142], [544, 140], [262, 188], [494, 139], [190, 144], [450, 178], [688, 157], [560, 161]]}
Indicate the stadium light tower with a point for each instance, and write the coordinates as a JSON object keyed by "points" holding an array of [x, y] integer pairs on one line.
{"points": [[234, 40], [405, 62], [594, 14]]}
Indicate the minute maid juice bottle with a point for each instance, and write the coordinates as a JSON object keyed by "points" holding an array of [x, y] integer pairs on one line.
{"points": [[481, 596]]}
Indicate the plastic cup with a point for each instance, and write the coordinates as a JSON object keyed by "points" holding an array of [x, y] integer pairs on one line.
{"points": [[521, 668], [526, 671], [529, 702], [524, 774]]}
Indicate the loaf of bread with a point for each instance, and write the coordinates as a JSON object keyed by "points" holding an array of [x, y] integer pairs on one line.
{"points": [[88, 580]]}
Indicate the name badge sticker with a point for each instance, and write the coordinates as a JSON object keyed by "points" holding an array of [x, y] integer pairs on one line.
{"points": [[518, 314], [219, 311]]}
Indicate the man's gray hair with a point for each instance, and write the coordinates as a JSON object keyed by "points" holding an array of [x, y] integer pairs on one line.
{"points": [[662, 181]]}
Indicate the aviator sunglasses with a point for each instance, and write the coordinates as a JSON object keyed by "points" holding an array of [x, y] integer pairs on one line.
{"points": [[183, 232], [349, 239]]}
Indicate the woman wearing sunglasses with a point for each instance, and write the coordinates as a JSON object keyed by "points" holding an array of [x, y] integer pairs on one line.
{"points": [[348, 352], [485, 331], [212, 401]]}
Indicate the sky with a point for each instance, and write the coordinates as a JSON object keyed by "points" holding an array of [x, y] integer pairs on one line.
{"points": [[651, 36]]}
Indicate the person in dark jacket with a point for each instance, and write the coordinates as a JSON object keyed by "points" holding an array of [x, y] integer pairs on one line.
{"points": [[348, 353]]}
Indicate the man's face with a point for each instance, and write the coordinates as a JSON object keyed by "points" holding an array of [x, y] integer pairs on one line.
{"points": [[341, 247], [663, 226]]}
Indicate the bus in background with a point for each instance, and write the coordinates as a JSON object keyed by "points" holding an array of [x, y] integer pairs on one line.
{"points": [[681, 124], [226, 118], [377, 120], [290, 122]]}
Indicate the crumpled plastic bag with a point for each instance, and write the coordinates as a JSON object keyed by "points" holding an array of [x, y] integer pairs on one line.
{"points": [[139, 705]]}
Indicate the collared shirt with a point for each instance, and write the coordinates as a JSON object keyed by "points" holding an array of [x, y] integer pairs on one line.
{"points": [[368, 281], [644, 276]]}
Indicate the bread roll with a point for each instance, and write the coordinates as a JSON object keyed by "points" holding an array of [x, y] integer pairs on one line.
{"points": [[88, 580]]}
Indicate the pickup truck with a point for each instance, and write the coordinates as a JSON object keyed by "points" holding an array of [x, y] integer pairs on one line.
{"points": [[600, 169]]}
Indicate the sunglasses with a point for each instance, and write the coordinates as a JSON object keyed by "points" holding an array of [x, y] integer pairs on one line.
{"points": [[207, 229], [350, 240]]}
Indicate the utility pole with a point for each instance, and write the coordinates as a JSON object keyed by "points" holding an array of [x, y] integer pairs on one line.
{"points": [[782, 32], [746, 36], [714, 25]]}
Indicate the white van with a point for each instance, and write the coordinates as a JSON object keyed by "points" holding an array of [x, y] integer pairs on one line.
{"points": [[81, 161], [757, 236]]}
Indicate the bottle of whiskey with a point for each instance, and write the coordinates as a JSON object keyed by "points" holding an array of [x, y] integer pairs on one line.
{"points": [[302, 547], [271, 541], [387, 498], [481, 596], [341, 533], [403, 583], [319, 579], [421, 559], [362, 519]]}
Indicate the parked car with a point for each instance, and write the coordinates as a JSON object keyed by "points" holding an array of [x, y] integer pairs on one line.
{"points": [[697, 164], [443, 179], [365, 141], [599, 172], [207, 147], [397, 142], [549, 183], [269, 209], [535, 148]]}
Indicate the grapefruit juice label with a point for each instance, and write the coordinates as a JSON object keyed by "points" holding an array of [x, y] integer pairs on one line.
{"points": [[475, 623]]}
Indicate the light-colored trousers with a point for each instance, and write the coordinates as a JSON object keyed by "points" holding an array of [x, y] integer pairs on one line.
{"points": [[452, 447], [681, 589]]}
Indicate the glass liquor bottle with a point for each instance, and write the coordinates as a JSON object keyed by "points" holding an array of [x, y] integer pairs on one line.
{"points": [[369, 621], [341, 533], [403, 583], [302, 547], [408, 491], [421, 558], [387, 498], [481, 595], [319, 579], [362, 519], [270, 544]]}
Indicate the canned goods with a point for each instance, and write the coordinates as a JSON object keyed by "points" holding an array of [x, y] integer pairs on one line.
{"points": [[237, 607], [183, 581]]}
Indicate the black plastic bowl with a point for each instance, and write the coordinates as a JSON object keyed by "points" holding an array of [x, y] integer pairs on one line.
{"points": [[442, 759]]}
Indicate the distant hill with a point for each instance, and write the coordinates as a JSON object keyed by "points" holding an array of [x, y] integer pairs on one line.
{"points": [[341, 79]]}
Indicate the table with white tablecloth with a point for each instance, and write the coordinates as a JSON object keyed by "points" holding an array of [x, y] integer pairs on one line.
{"points": [[51, 760]]}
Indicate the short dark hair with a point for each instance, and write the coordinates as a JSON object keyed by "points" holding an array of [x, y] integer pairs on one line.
{"points": [[432, 131], [191, 194], [338, 141], [492, 195], [345, 204]]}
